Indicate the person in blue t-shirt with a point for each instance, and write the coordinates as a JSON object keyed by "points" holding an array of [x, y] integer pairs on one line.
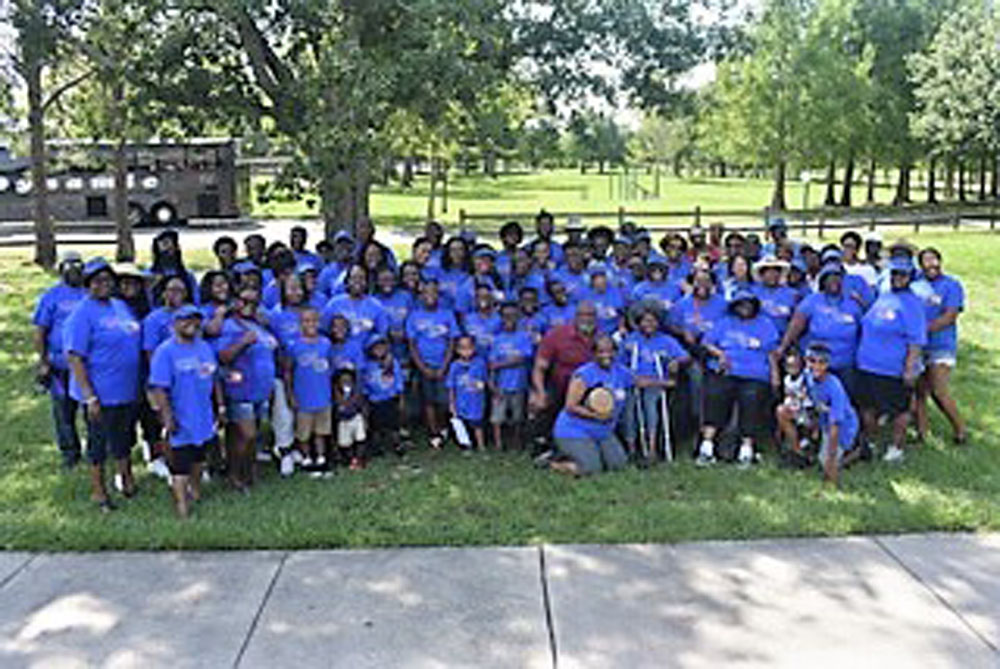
{"points": [[944, 299], [364, 313], [157, 327], [53, 309], [484, 322], [246, 350], [585, 436], [483, 273], [523, 275], [509, 356], [532, 320], [657, 287], [838, 423], [382, 382], [607, 300], [511, 236], [102, 341], [559, 311], [397, 303], [777, 300], [696, 314], [345, 352], [431, 331], [655, 359], [743, 371], [893, 334], [466, 383], [184, 385], [456, 268], [573, 274], [308, 377]]}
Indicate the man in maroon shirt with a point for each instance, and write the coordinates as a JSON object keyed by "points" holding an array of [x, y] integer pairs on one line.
{"points": [[560, 352]]}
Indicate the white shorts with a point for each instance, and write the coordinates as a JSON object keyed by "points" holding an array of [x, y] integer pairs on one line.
{"points": [[946, 358], [351, 431]]}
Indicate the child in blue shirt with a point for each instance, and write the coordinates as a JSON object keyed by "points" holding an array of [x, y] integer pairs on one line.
{"points": [[382, 380], [838, 421], [184, 381], [466, 384], [509, 358], [431, 331], [532, 320], [483, 323], [308, 370]]}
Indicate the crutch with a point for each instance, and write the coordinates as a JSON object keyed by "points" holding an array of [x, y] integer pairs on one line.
{"points": [[637, 400], [668, 448]]}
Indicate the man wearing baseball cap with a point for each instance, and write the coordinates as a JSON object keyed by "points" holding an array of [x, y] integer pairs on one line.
{"points": [[54, 307]]}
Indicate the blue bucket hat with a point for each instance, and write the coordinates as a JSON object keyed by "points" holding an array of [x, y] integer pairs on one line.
{"points": [[829, 269], [375, 338], [901, 264], [95, 266], [187, 311]]}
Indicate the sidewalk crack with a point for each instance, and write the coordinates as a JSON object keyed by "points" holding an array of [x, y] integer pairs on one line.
{"points": [[260, 610], [14, 574], [547, 605]]}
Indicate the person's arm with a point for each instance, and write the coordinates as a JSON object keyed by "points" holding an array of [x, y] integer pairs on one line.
{"points": [[796, 326], [448, 355], [160, 400], [417, 360], [913, 354], [228, 355], [719, 355], [41, 340], [452, 402], [213, 328], [831, 472], [539, 370], [574, 401], [90, 399], [945, 320], [287, 376], [774, 364], [219, 396]]}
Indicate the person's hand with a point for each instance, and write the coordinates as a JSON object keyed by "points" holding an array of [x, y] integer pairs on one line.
{"points": [[93, 409], [220, 416], [170, 425], [690, 338], [724, 364], [44, 369], [249, 338], [673, 367], [538, 401], [909, 379]]}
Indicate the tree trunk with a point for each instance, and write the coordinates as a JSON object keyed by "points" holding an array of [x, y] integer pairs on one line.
{"points": [[45, 239], [961, 181], [361, 190], [676, 166], [994, 178], [903, 186], [600, 167], [433, 190], [931, 183], [408, 172], [982, 177], [845, 193], [388, 163], [337, 202], [124, 241], [831, 176], [656, 179], [722, 169], [949, 179], [870, 197], [778, 196], [444, 189]]}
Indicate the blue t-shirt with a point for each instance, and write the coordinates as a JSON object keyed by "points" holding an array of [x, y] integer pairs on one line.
{"points": [[576, 283], [535, 325], [482, 328], [270, 296], [639, 352], [835, 321], [507, 346], [448, 284], [157, 327], [893, 323], [610, 307], [397, 307], [250, 377], [187, 371], [312, 373], [777, 303], [747, 344], [858, 289], [535, 279], [380, 386], [468, 381], [286, 324], [942, 293], [109, 339], [349, 354], [465, 300], [618, 380], [697, 317], [834, 407], [431, 331], [331, 278], [54, 307], [666, 293], [365, 316], [556, 315]]}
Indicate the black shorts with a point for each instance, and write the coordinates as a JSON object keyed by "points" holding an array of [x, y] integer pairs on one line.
{"points": [[752, 396], [180, 459], [385, 416], [112, 434], [882, 394]]}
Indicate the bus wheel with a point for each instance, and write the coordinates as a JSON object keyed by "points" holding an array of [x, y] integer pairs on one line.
{"points": [[137, 215], [163, 214]]}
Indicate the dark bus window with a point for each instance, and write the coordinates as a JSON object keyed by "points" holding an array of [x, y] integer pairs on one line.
{"points": [[208, 205], [97, 206]]}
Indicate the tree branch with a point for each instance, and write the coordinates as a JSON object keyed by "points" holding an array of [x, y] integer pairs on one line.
{"points": [[75, 81]]}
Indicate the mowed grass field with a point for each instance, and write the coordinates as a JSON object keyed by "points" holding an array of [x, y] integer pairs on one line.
{"points": [[452, 499]]}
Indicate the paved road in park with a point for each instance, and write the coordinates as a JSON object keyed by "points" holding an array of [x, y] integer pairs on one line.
{"points": [[886, 602]]}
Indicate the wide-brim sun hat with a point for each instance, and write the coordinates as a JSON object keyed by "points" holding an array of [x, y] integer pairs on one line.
{"points": [[123, 269], [770, 262]]}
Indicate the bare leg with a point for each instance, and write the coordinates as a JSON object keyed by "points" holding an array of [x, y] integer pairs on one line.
{"points": [[128, 481], [869, 424], [786, 426], [98, 492], [194, 484], [940, 375], [920, 405], [480, 434], [498, 436], [179, 484], [899, 425]]}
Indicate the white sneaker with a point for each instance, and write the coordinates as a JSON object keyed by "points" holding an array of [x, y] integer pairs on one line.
{"points": [[263, 456], [893, 454], [147, 451], [321, 461], [297, 456], [205, 476], [307, 461], [287, 465], [745, 457], [706, 454], [119, 483], [158, 468]]}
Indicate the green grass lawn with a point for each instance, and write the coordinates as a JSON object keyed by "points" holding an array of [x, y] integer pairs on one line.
{"points": [[569, 191], [450, 499]]}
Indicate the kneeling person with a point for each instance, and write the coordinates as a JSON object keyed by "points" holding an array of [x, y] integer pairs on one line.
{"points": [[837, 420], [183, 381]]}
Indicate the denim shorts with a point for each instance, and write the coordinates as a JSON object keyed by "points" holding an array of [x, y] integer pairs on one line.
{"points": [[237, 412], [113, 433]]}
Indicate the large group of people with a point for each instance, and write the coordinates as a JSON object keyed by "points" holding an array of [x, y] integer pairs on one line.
{"points": [[594, 351]]}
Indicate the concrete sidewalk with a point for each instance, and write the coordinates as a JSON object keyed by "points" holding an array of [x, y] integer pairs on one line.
{"points": [[914, 601]]}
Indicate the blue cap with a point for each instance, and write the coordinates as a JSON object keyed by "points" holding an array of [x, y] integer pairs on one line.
{"points": [[484, 252], [743, 295], [655, 258], [306, 266], [187, 311], [777, 224], [343, 236], [829, 269], [244, 266], [818, 349], [597, 268], [799, 264], [95, 266], [643, 234], [621, 239], [375, 338], [901, 264], [831, 255]]}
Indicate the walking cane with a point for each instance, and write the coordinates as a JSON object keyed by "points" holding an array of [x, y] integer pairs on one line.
{"points": [[637, 400], [668, 448]]}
